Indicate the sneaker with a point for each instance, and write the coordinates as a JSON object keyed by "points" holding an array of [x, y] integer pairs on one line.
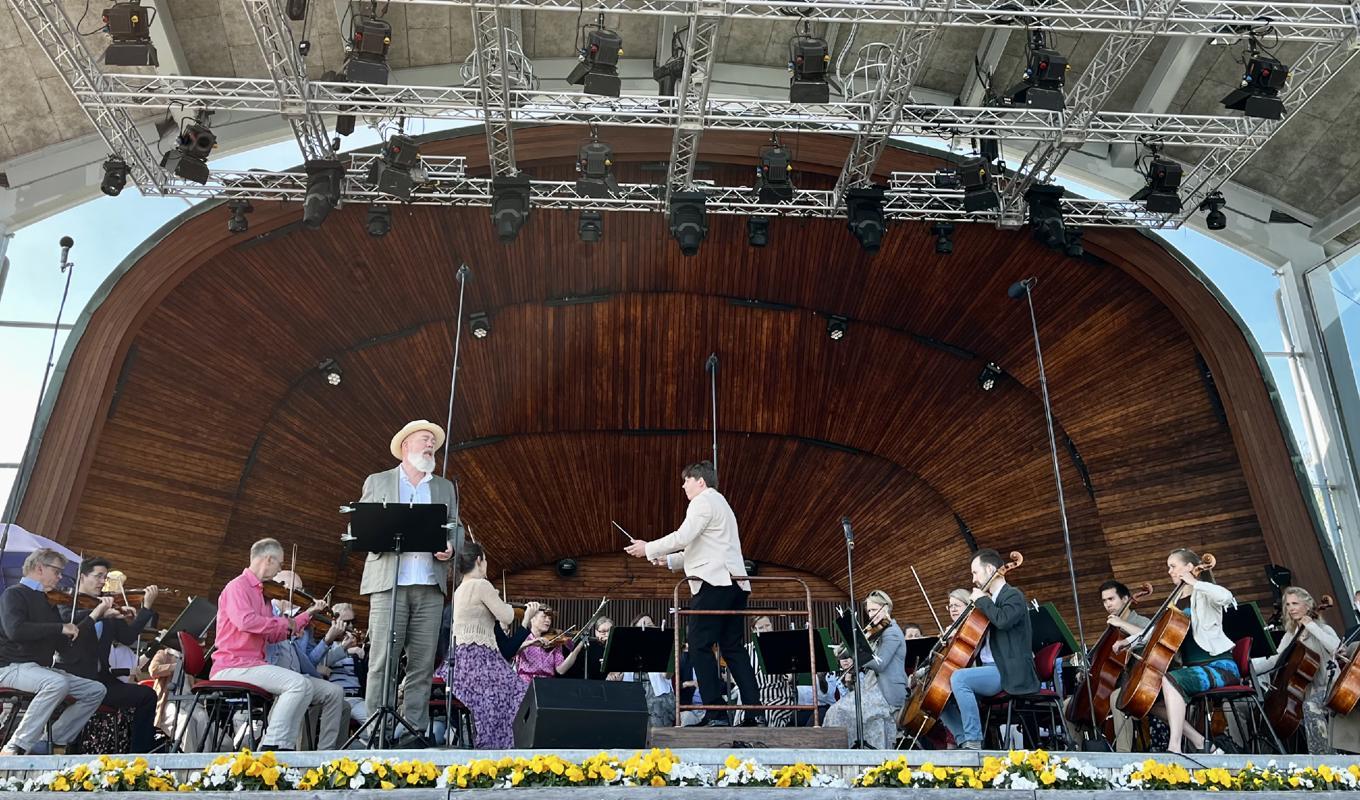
{"points": [[973, 745], [717, 722]]}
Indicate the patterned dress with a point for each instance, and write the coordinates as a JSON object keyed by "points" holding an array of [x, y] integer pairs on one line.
{"points": [[489, 687]]}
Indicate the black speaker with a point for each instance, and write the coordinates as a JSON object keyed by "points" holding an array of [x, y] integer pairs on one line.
{"points": [[565, 712]]}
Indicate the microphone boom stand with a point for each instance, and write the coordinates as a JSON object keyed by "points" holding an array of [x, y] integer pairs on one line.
{"points": [[458, 510], [859, 743]]}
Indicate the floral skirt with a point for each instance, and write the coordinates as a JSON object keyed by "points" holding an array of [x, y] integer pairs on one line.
{"points": [[880, 719], [1201, 678], [486, 683]]}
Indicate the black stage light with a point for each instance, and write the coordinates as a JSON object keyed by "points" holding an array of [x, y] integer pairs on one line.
{"points": [[774, 182], [595, 170], [331, 369], [366, 50], [566, 568], [480, 324], [1214, 204], [946, 179], [1045, 215], [129, 26], [115, 176], [979, 194], [1259, 93], [837, 326], [689, 220], [598, 70], [989, 376], [943, 233], [1041, 86], [297, 11], [752, 568], [398, 170], [590, 226], [509, 205], [864, 210], [379, 220], [809, 58], [324, 177], [238, 223], [758, 231], [1072, 246], [1163, 180], [189, 159]]}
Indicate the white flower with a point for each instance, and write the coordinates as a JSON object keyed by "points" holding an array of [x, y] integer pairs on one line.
{"points": [[357, 782], [366, 767]]}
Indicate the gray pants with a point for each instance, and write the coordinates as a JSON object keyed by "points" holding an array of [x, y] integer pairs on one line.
{"points": [[419, 611], [293, 695], [50, 687]]}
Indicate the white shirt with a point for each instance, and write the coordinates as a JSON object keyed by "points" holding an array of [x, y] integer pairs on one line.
{"points": [[660, 683], [414, 569]]}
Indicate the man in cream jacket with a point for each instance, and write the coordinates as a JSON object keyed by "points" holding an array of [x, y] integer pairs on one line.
{"points": [[708, 548]]}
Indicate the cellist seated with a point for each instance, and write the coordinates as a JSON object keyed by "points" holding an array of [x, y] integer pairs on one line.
{"points": [[1317, 636]]}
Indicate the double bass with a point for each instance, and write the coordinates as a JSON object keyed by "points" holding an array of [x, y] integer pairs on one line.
{"points": [[1294, 673], [1092, 696], [956, 649], [1163, 640]]}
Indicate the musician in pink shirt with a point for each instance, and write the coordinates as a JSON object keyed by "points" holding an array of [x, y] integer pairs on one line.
{"points": [[245, 624]]}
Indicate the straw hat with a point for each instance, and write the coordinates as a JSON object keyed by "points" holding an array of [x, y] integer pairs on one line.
{"points": [[413, 427]]}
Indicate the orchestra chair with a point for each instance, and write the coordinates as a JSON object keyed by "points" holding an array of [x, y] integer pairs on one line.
{"points": [[459, 716], [221, 699], [1232, 696], [14, 703], [1026, 708]]}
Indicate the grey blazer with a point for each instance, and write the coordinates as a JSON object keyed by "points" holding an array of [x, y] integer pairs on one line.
{"points": [[380, 569], [890, 662]]}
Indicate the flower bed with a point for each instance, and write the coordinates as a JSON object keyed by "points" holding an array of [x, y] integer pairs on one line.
{"points": [[1019, 770]]}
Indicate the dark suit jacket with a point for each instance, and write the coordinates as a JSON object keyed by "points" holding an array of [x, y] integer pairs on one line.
{"points": [[88, 655], [1011, 640]]}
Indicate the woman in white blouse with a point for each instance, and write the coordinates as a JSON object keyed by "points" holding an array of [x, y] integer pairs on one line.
{"points": [[1317, 636]]}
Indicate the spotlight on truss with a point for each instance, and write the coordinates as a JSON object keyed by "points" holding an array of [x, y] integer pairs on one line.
{"points": [[758, 231], [979, 192], [595, 169], [324, 177], [509, 205], [774, 181], [378, 220], [239, 208], [1160, 194], [1041, 86], [1258, 94], [809, 58], [864, 210], [597, 72], [398, 170], [129, 26], [115, 176], [590, 226], [189, 159], [689, 220], [366, 50]]}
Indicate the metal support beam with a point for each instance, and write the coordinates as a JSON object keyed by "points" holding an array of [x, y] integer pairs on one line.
{"points": [[285, 66], [491, 56], [691, 101], [990, 50], [1169, 73], [1342, 219]]}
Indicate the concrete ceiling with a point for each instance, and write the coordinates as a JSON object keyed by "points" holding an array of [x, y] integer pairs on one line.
{"points": [[1312, 166]]}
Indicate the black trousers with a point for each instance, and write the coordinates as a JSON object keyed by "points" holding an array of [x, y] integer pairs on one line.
{"points": [[727, 633], [142, 701]]}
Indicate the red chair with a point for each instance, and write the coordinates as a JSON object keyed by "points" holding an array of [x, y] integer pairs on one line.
{"points": [[457, 715], [221, 699], [1233, 694], [1026, 708]]}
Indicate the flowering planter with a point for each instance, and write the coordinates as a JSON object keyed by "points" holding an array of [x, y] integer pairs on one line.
{"points": [[712, 793]]}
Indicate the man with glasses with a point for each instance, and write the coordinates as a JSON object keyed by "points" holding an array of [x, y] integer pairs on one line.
{"points": [[32, 632]]}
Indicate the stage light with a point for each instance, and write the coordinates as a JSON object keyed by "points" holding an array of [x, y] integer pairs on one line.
{"points": [[1072, 246], [595, 169], [1163, 178], [1041, 86], [1216, 220], [398, 170], [129, 26], [379, 220], [864, 209], [566, 568], [590, 226], [331, 369], [943, 233], [809, 57], [324, 177], [238, 222], [758, 231], [989, 376], [752, 567], [366, 50], [479, 324], [975, 174], [297, 12], [189, 159], [115, 176], [1045, 215], [946, 179], [837, 326], [774, 182], [1258, 95], [598, 70], [689, 220], [509, 205]]}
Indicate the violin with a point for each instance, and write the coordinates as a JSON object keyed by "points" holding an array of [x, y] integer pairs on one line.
{"points": [[1163, 640], [1092, 706], [301, 600], [1293, 677], [62, 597], [956, 649]]}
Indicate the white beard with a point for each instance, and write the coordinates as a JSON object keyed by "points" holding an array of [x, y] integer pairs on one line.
{"points": [[421, 462]]}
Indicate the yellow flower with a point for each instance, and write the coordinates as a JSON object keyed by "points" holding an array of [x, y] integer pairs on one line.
{"points": [[903, 775], [1017, 757], [270, 776], [657, 780], [1047, 778], [732, 762], [60, 784]]}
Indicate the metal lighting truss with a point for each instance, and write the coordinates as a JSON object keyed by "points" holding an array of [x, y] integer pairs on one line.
{"points": [[491, 53], [59, 39], [292, 184], [289, 77], [691, 100]]}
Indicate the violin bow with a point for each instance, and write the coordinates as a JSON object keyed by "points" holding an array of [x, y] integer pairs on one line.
{"points": [[75, 590], [926, 597]]}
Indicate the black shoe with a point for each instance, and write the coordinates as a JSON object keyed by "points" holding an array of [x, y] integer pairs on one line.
{"points": [[717, 722], [753, 721]]}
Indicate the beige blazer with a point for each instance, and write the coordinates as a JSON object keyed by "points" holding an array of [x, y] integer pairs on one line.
{"points": [[708, 543], [1207, 601], [380, 569]]}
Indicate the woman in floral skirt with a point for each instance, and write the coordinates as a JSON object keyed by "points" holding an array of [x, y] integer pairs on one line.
{"points": [[482, 679]]}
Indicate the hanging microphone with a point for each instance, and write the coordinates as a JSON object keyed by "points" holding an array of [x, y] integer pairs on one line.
{"points": [[1020, 288], [66, 243], [712, 363], [849, 533]]}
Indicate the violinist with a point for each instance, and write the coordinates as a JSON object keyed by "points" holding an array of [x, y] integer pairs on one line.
{"points": [[1006, 658], [775, 690], [299, 654], [883, 686], [1206, 654], [88, 657], [481, 679], [1317, 636], [656, 686], [542, 654], [344, 658]]}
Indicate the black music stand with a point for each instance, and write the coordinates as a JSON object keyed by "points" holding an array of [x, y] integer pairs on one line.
{"points": [[637, 650], [826, 659], [1246, 620], [196, 619], [850, 634], [918, 652], [786, 653], [1046, 627], [395, 528]]}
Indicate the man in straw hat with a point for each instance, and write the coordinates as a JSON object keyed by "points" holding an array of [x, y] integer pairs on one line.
{"points": [[418, 580]]}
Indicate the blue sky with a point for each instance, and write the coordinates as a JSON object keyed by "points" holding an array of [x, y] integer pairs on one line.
{"points": [[107, 229]]}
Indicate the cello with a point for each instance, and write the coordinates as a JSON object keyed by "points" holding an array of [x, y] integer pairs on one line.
{"points": [[957, 647], [1294, 673], [1092, 706], [1346, 688], [1163, 640]]}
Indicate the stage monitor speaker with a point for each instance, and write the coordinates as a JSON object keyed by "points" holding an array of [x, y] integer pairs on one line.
{"points": [[571, 713]]}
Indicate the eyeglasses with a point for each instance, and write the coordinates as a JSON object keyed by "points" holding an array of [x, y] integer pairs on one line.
{"points": [[57, 567]]}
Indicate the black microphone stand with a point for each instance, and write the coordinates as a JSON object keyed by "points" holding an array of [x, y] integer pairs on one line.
{"points": [[1025, 289], [456, 533], [859, 743], [711, 365]]}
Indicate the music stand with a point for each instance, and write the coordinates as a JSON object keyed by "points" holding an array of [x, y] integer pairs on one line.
{"points": [[1246, 620], [637, 650], [918, 651], [852, 634], [196, 619], [395, 528], [1046, 627], [825, 658]]}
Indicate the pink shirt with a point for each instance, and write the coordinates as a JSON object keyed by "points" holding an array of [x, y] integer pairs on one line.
{"points": [[535, 662], [246, 623]]}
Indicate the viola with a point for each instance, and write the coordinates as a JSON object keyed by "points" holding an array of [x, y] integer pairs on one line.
{"points": [[1091, 698], [1293, 677], [1346, 688], [955, 650], [1163, 640]]}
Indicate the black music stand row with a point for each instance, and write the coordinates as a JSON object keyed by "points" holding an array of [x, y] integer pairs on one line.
{"points": [[638, 650], [786, 652], [1246, 620], [395, 528]]}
